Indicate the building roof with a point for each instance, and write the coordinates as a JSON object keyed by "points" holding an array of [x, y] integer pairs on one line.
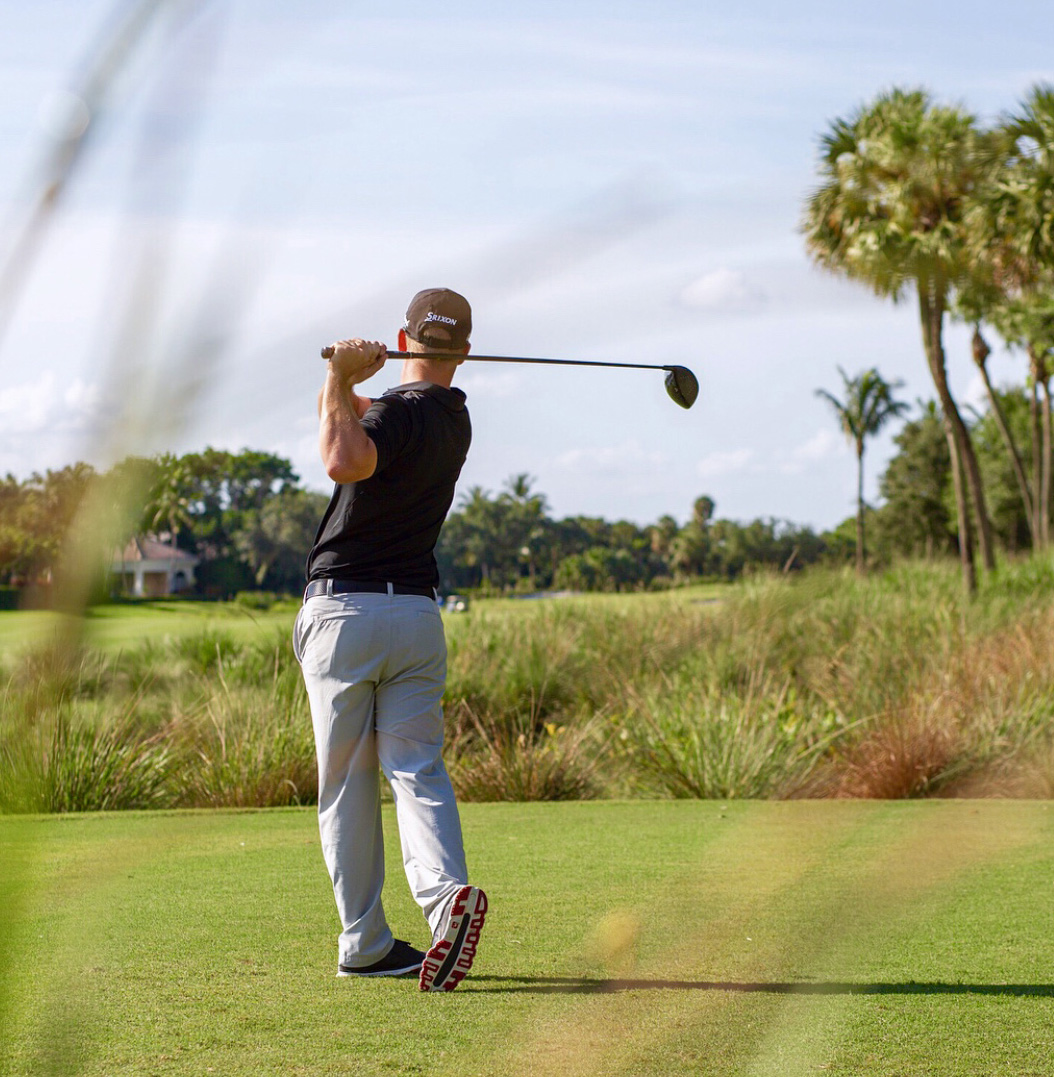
{"points": [[146, 548]]}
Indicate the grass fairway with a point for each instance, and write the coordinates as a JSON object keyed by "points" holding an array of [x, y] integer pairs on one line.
{"points": [[783, 938], [124, 626], [127, 625]]}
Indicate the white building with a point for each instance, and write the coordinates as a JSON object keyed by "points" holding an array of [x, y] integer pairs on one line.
{"points": [[148, 568]]}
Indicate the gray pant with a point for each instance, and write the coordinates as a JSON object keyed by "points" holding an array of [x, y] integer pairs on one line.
{"points": [[375, 667]]}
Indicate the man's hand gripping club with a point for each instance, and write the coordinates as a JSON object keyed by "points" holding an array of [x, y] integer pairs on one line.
{"points": [[347, 451]]}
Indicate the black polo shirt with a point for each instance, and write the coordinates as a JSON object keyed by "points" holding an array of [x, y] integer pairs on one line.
{"points": [[385, 528]]}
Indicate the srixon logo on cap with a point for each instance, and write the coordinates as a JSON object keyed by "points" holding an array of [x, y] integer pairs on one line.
{"points": [[432, 317]]}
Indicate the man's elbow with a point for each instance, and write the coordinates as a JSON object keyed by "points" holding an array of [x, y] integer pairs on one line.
{"points": [[344, 472], [348, 462]]}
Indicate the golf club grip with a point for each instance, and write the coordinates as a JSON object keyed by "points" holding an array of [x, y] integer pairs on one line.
{"points": [[328, 351]]}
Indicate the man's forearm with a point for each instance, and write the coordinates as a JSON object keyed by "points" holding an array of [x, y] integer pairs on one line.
{"points": [[347, 452]]}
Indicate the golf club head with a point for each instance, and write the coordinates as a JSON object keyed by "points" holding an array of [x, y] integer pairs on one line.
{"points": [[681, 385]]}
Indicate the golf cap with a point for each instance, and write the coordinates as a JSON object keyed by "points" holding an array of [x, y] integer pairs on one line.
{"points": [[439, 318]]}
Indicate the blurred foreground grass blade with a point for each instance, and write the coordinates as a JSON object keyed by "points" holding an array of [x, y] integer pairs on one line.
{"points": [[83, 104], [52, 759]]}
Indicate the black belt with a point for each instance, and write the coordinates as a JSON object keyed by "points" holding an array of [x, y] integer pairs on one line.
{"points": [[370, 587]]}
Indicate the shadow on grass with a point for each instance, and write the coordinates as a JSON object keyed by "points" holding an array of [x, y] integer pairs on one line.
{"points": [[559, 985]]}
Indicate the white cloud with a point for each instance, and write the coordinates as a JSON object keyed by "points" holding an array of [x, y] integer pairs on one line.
{"points": [[44, 426], [42, 408], [628, 458], [822, 443], [976, 395], [724, 463], [489, 384], [722, 290], [301, 449], [821, 446]]}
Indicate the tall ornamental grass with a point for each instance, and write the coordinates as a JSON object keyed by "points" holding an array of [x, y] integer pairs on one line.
{"points": [[822, 684], [195, 722]]}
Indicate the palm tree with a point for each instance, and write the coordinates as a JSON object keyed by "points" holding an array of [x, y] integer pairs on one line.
{"points": [[170, 499], [478, 512], [867, 406], [981, 351], [1011, 237], [1017, 201], [896, 177], [524, 517]]}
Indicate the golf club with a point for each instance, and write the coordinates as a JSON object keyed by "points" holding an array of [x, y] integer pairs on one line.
{"points": [[681, 384]]}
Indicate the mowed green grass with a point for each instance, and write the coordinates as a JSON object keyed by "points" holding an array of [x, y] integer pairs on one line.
{"points": [[124, 626], [754, 938]]}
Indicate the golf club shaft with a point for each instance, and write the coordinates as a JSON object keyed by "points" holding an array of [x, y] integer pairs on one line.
{"points": [[328, 352]]}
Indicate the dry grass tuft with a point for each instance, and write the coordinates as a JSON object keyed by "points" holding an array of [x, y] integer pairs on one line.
{"points": [[977, 723], [898, 759]]}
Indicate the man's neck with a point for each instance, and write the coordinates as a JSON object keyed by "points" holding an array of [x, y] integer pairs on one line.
{"points": [[434, 371]]}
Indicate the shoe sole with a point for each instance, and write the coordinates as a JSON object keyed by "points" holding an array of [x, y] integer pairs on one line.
{"points": [[449, 959], [415, 967]]}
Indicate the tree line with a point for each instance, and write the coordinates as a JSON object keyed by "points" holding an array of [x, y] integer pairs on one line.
{"points": [[251, 522], [920, 198], [507, 541], [245, 515]]}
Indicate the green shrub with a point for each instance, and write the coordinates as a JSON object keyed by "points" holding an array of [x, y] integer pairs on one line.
{"points": [[507, 757], [255, 600], [726, 746], [252, 747], [70, 765], [206, 651]]}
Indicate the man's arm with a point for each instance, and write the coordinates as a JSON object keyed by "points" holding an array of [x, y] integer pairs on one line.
{"points": [[347, 452], [362, 404]]}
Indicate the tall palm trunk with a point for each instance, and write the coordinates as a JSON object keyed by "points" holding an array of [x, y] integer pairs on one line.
{"points": [[981, 351], [1042, 376], [1037, 438], [962, 511], [860, 557], [931, 313], [1044, 503], [1040, 410], [935, 317]]}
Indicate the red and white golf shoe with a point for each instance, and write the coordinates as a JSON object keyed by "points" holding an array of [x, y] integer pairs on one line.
{"points": [[454, 950]]}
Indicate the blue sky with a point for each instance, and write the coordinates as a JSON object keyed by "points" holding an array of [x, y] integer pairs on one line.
{"points": [[603, 181]]}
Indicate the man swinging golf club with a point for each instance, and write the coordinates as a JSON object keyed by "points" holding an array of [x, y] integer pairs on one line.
{"points": [[369, 639]]}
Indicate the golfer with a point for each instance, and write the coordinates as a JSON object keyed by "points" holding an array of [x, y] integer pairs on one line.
{"points": [[369, 639]]}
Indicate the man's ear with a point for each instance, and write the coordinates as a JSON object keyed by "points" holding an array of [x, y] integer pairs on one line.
{"points": [[402, 340], [466, 349]]}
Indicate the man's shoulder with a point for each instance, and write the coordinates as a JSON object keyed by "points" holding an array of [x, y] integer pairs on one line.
{"points": [[420, 392]]}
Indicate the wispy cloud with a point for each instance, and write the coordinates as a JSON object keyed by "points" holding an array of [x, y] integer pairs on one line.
{"points": [[976, 396], [724, 463], [722, 290], [41, 421], [821, 446], [42, 407], [630, 458], [490, 384]]}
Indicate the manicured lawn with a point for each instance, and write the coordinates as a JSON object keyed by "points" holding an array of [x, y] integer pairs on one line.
{"points": [[129, 625], [783, 938], [126, 625]]}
